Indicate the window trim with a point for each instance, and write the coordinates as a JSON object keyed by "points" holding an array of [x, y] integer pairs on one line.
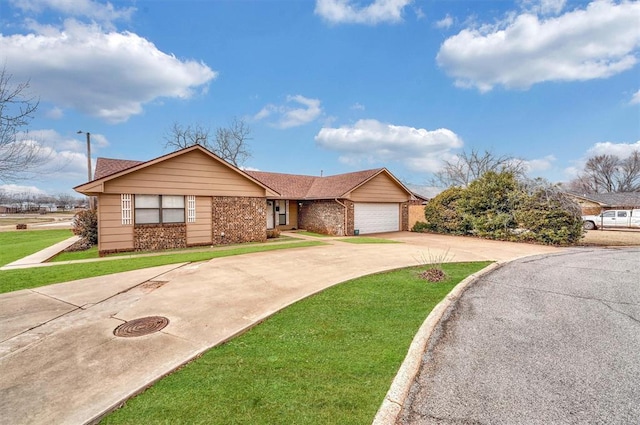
{"points": [[160, 210]]}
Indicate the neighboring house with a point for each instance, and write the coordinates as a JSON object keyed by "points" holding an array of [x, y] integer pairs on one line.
{"points": [[595, 203], [192, 197]]}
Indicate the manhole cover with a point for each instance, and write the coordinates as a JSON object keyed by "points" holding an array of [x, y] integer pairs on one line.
{"points": [[142, 326]]}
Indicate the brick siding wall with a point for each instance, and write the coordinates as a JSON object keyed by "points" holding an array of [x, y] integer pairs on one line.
{"points": [[326, 217], [152, 237], [238, 219]]}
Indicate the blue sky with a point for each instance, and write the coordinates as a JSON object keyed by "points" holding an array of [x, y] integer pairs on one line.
{"points": [[331, 85]]}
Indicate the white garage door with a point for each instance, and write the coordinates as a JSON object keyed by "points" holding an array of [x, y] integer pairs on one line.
{"points": [[376, 218]]}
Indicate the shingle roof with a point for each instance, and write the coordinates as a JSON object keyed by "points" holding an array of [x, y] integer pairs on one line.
{"points": [[107, 166], [619, 199], [289, 186], [294, 186]]}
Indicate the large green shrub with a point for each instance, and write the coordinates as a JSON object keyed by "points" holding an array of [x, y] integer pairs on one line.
{"points": [[499, 206], [488, 205], [549, 216], [441, 213]]}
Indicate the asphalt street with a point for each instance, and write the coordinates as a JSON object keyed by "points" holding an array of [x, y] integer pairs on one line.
{"points": [[551, 339]]}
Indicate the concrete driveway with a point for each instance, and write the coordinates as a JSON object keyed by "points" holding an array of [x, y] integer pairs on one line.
{"points": [[62, 364], [544, 340]]}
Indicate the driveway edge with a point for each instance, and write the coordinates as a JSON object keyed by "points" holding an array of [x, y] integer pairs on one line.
{"points": [[394, 400]]}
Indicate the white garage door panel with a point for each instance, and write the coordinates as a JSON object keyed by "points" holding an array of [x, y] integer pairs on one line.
{"points": [[376, 218]]}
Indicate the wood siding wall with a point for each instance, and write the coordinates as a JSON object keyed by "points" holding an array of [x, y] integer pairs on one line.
{"points": [[113, 236], [200, 233], [416, 214], [193, 173], [380, 189], [293, 217]]}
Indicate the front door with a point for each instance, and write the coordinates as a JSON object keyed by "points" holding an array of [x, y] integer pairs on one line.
{"points": [[270, 215]]}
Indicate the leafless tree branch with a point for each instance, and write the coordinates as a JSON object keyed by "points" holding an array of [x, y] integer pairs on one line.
{"points": [[19, 157], [469, 166]]}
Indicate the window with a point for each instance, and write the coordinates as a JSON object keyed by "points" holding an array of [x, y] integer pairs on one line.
{"points": [[157, 209], [609, 214], [622, 213]]}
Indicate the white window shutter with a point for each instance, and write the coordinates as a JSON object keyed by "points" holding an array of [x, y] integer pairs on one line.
{"points": [[125, 204], [286, 211], [191, 209]]}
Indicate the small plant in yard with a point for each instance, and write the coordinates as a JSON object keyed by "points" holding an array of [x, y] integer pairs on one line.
{"points": [[85, 225], [273, 233], [433, 271]]}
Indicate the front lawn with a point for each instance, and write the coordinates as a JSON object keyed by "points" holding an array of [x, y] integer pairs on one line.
{"points": [[13, 280], [93, 251], [19, 244], [328, 359]]}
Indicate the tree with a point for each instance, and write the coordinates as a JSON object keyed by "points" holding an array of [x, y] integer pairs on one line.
{"points": [[608, 173], [469, 166], [19, 157], [230, 143]]}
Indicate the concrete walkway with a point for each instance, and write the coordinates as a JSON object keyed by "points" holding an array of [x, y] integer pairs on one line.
{"points": [[41, 256], [62, 364]]}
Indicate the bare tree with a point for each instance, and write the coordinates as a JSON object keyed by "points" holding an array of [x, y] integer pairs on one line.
{"points": [[608, 173], [19, 157], [66, 201], [230, 143], [179, 136], [469, 166]]}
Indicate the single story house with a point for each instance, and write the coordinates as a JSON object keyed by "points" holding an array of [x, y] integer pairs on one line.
{"points": [[192, 197], [595, 203]]}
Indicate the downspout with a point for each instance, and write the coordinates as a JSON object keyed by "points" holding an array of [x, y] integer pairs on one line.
{"points": [[344, 206]]}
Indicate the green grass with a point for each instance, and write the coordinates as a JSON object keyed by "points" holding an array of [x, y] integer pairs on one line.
{"points": [[366, 240], [93, 251], [328, 359], [77, 255], [18, 244], [316, 235], [13, 280]]}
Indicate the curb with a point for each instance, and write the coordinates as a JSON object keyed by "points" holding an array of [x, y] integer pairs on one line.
{"points": [[393, 402]]}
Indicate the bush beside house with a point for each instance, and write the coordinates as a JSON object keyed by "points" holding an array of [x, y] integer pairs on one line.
{"points": [[498, 206]]}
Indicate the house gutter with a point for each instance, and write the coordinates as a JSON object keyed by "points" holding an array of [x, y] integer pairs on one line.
{"points": [[345, 215]]}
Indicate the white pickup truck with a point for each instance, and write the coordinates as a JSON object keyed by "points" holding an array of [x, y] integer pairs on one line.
{"points": [[612, 218]]}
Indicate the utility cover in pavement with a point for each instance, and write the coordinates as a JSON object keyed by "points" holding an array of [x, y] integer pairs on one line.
{"points": [[142, 326]]}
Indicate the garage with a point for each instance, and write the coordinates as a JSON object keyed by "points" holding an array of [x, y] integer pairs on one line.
{"points": [[376, 217]]}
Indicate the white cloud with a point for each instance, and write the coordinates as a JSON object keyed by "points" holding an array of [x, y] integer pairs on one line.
{"points": [[540, 164], [15, 189], [544, 7], [445, 22], [104, 13], [288, 116], [54, 113], [374, 142], [66, 156], [621, 150], [596, 42], [357, 106], [346, 12], [110, 75], [635, 99]]}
